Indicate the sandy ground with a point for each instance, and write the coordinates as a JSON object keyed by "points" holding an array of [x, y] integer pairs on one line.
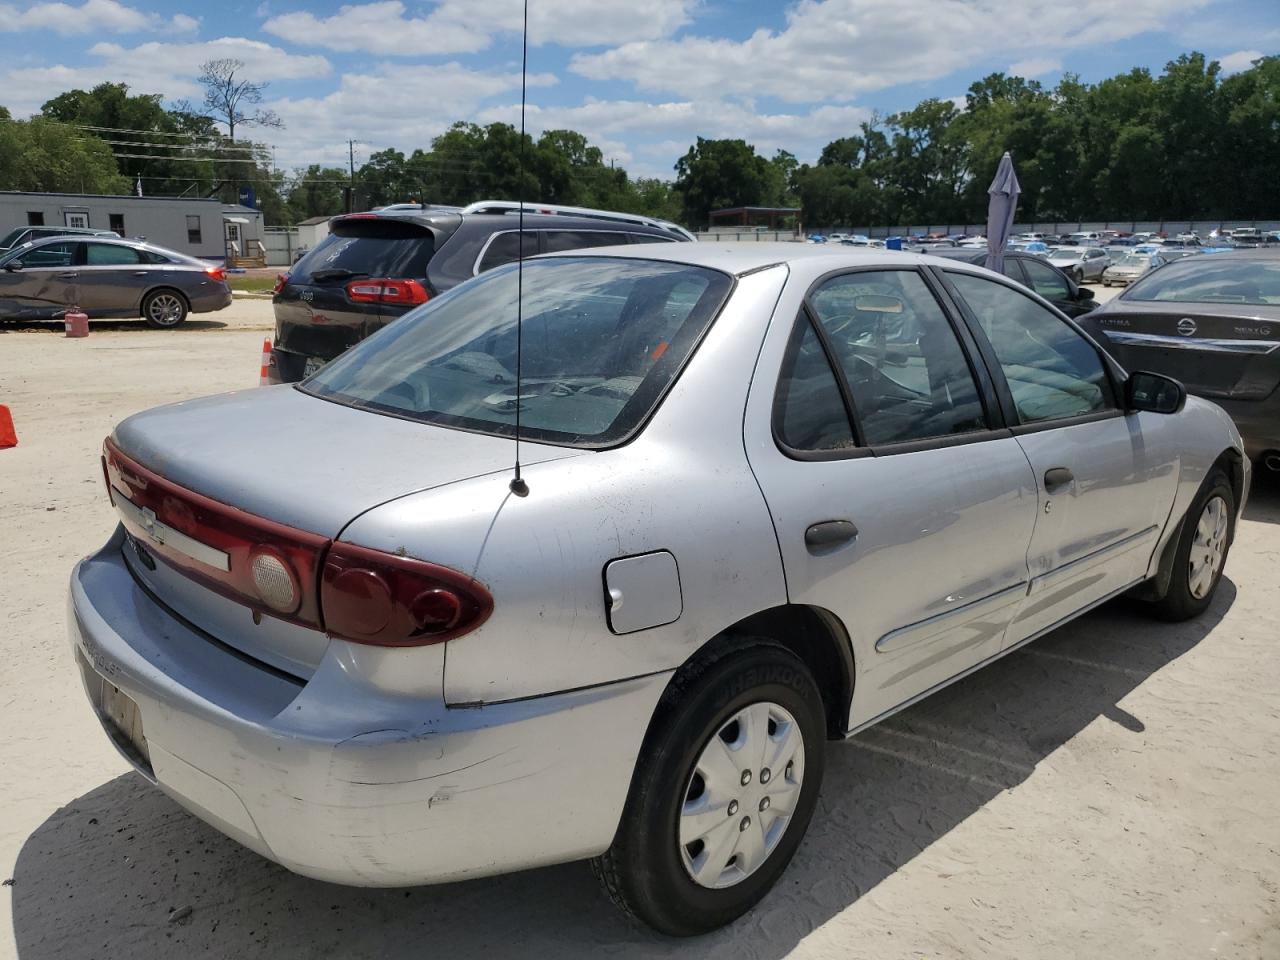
{"points": [[1108, 792]]}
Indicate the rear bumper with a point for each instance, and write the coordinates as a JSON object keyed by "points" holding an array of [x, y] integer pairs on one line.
{"points": [[208, 300], [339, 780]]}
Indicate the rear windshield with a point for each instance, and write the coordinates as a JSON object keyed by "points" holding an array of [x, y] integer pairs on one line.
{"points": [[368, 248], [1212, 278], [12, 236], [603, 338]]}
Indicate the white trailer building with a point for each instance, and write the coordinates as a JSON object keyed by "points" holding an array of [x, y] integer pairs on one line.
{"points": [[202, 228]]}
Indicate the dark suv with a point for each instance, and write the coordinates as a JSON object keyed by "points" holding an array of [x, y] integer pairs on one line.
{"points": [[373, 267]]}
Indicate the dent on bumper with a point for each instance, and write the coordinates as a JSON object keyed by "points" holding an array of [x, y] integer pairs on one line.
{"points": [[337, 780]]}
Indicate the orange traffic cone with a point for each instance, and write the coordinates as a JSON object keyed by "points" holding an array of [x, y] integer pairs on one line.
{"points": [[8, 436], [264, 378]]}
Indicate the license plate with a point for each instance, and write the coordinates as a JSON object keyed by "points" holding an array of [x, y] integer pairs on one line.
{"points": [[120, 716], [312, 365]]}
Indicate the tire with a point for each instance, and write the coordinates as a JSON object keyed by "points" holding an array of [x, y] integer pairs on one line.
{"points": [[164, 309], [709, 707], [1205, 540]]}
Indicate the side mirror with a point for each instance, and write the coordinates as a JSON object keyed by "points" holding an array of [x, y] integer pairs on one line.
{"points": [[1084, 293], [13, 266], [1154, 392]]}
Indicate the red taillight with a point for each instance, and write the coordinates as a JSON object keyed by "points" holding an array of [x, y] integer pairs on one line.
{"points": [[217, 273], [281, 280], [385, 290], [268, 566], [368, 596]]}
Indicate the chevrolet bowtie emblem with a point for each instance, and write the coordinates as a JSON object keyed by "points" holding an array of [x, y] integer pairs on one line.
{"points": [[148, 521]]}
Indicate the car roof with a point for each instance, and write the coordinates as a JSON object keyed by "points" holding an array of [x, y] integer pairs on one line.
{"points": [[742, 258], [449, 218]]}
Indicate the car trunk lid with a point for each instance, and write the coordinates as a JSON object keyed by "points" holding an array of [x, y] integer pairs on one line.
{"points": [[277, 468], [1216, 350]]}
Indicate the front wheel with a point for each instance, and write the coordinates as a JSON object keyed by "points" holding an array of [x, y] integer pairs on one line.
{"points": [[164, 309], [722, 793], [1201, 553]]}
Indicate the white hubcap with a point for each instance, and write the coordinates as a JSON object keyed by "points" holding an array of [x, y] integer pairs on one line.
{"points": [[1208, 547], [741, 795]]}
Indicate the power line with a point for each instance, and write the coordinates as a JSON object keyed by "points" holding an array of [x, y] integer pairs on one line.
{"points": [[169, 146]]}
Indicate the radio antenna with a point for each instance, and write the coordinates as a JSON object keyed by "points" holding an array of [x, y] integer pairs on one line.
{"points": [[518, 486]]}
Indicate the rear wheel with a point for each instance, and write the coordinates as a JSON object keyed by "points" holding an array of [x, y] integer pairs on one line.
{"points": [[722, 793], [1202, 550], [164, 308]]}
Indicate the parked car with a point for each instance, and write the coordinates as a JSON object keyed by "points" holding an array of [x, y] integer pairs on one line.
{"points": [[1038, 274], [749, 474], [1084, 238], [1131, 266], [376, 266], [20, 235], [108, 277], [1214, 323], [1079, 263]]}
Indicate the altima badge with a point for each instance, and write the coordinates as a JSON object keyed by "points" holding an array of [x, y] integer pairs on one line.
{"points": [[1186, 326]]}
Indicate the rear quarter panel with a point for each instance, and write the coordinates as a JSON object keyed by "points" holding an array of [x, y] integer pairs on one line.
{"points": [[682, 485]]}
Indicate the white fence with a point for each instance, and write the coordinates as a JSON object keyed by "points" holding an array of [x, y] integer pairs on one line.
{"points": [[281, 244]]}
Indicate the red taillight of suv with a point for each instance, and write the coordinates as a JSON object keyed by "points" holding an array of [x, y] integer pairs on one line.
{"points": [[384, 290], [391, 601], [217, 273], [281, 280]]}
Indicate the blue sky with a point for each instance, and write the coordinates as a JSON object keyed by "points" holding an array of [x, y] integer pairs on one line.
{"points": [[641, 78]]}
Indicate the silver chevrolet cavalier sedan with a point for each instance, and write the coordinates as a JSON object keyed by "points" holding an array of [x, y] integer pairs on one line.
{"points": [[771, 495]]}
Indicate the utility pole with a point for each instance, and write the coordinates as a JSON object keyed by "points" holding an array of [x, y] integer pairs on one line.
{"points": [[351, 167]]}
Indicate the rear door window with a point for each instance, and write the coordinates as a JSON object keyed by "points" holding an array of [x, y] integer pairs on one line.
{"points": [[367, 248], [506, 247], [108, 254], [555, 240]]}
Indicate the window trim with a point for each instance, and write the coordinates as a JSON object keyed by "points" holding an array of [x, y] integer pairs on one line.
{"points": [[996, 428], [1012, 418], [538, 233]]}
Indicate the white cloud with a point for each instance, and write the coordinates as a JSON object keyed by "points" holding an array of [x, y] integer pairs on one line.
{"points": [[390, 105], [1239, 61], [835, 50], [92, 16], [385, 28], [169, 69], [1035, 66]]}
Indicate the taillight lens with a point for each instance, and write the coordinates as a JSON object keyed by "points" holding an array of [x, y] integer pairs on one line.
{"points": [[217, 273], [368, 596], [385, 290], [266, 565], [281, 280]]}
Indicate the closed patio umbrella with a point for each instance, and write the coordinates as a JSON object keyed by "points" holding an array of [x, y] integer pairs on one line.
{"points": [[1001, 207]]}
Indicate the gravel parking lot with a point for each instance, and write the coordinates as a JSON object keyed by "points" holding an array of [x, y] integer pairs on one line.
{"points": [[1109, 791]]}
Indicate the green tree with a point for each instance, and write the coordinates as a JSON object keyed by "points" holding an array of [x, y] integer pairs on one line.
{"points": [[316, 191], [721, 173], [40, 155]]}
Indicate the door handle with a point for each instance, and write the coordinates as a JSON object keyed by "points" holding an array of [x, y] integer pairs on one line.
{"points": [[66, 276], [1056, 477], [829, 533], [139, 273]]}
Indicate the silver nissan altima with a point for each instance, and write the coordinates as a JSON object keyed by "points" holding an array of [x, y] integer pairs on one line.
{"points": [[771, 494]]}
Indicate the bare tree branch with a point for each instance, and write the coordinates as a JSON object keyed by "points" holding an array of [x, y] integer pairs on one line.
{"points": [[232, 100]]}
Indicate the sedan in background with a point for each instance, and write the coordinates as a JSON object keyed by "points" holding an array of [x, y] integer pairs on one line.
{"points": [[1213, 322], [767, 495], [1080, 263], [20, 235], [1130, 267], [104, 277]]}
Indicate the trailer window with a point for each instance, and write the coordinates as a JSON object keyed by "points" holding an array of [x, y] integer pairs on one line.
{"points": [[193, 228]]}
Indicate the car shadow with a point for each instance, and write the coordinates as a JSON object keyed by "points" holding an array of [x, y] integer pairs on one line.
{"points": [[135, 325], [122, 870], [1264, 498]]}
